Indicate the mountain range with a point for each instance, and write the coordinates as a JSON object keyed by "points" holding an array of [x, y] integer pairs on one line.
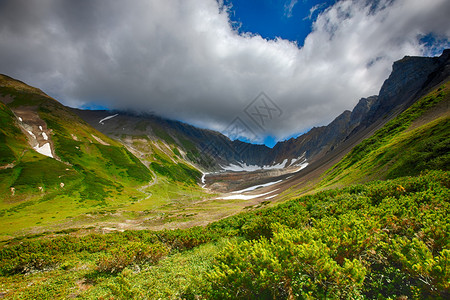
{"points": [[119, 205], [411, 77], [60, 165]]}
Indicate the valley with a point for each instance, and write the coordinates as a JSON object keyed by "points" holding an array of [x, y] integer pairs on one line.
{"points": [[112, 204]]}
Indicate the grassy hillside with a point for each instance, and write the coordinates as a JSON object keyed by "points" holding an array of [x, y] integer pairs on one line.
{"points": [[91, 173], [386, 239], [416, 140]]}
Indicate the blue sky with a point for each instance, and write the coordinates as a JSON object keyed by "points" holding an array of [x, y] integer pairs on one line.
{"points": [[194, 61], [271, 19], [289, 19]]}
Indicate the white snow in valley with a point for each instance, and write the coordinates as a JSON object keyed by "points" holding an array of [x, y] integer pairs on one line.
{"points": [[270, 197], [256, 187], [276, 166], [203, 180], [40, 127], [107, 118], [244, 197], [302, 166], [44, 135], [44, 150], [20, 119], [241, 167]]}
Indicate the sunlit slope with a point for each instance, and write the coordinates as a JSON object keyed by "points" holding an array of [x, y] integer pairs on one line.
{"points": [[81, 170], [416, 140], [101, 163]]}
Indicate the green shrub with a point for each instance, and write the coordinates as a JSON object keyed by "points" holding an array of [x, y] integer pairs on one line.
{"points": [[284, 268], [134, 253]]}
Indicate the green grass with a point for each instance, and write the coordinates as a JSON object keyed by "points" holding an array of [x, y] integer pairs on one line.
{"points": [[383, 240], [163, 135]]}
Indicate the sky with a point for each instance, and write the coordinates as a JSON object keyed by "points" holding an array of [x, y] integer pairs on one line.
{"points": [[270, 69]]}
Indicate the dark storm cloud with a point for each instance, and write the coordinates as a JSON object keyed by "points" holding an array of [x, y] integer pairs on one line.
{"points": [[182, 59]]}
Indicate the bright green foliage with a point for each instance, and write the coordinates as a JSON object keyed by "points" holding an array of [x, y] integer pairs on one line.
{"points": [[12, 141], [291, 264], [383, 239], [394, 233], [122, 256], [175, 171]]}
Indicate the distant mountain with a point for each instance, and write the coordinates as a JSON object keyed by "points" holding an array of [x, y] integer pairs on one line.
{"points": [[63, 167], [411, 77]]}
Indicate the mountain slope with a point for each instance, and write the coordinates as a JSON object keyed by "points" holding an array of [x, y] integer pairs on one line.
{"points": [[56, 169], [416, 140]]}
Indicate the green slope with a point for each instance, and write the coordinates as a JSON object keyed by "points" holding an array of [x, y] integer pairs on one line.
{"points": [[92, 179], [416, 140], [382, 240]]}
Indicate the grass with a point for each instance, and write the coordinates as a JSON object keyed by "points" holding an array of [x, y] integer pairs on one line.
{"points": [[377, 240], [95, 176]]}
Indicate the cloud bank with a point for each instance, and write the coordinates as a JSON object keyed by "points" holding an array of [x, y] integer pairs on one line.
{"points": [[183, 60]]}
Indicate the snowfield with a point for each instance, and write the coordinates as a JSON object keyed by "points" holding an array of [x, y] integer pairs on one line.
{"points": [[44, 150], [107, 118], [244, 197], [256, 187], [243, 167]]}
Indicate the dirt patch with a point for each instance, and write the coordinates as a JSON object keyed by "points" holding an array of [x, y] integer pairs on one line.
{"points": [[100, 141]]}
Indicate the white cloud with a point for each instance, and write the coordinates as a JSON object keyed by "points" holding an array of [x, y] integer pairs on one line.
{"points": [[313, 9], [288, 7], [183, 60]]}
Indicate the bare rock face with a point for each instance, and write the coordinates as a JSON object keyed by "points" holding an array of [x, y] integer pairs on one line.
{"points": [[411, 77]]}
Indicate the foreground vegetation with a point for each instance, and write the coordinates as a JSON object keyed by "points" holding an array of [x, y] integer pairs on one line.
{"points": [[383, 239]]}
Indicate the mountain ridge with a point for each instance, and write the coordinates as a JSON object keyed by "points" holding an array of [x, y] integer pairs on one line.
{"points": [[410, 76]]}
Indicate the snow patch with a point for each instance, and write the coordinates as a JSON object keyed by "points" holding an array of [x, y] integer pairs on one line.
{"points": [[44, 135], [257, 186], [270, 197], [44, 150], [107, 118], [302, 166], [244, 197], [241, 167], [203, 179], [32, 134], [40, 127], [20, 119], [281, 165]]}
